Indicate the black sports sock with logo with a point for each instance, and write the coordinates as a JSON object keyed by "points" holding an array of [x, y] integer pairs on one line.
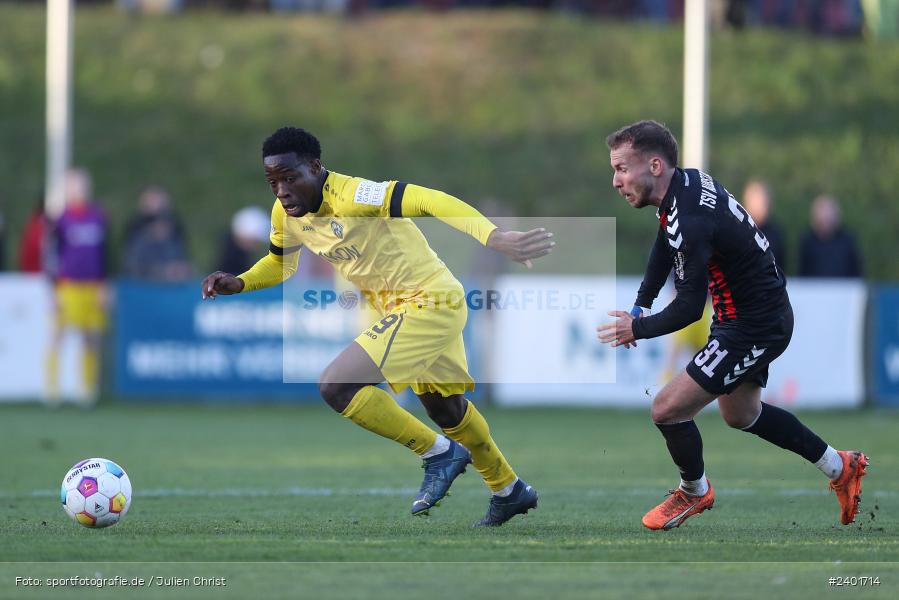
{"points": [[783, 429], [685, 446]]}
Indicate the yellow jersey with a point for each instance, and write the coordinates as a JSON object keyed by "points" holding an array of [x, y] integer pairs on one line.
{"points": [[362, 228]]}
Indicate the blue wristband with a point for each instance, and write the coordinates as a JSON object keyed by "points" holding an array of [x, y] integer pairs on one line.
{"points": [[638, 311]]}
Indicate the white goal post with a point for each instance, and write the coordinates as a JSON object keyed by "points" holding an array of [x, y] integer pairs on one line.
{"points": [[696, 86], [60, 45]]}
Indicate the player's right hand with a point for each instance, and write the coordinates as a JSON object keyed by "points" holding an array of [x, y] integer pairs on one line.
{"points": [[521, 246], [221, 283]]}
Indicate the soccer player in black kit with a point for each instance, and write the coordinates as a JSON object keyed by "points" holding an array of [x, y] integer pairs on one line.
{"points": [[711, 242]]}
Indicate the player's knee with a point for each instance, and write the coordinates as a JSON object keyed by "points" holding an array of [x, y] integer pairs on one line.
{"points": [[737, 419], [440, 416], [664, 409], [668, 412], [336, 394], [660, 414], [448, 413]]}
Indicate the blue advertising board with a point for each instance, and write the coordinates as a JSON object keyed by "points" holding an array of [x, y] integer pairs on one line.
{"points": [[269, 344], [884, 349]]}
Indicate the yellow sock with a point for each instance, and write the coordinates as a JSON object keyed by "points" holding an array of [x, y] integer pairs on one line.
{"points": [[372, 408], [90, 370], [474, 433]]}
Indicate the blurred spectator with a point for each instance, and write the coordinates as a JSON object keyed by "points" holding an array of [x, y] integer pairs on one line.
{"points": [[247, 242], [155, 248], [79, 248], [839, 17], [661, 10], [827, 249], [152, 202], [757, 201], [832, 17], [32, 244], [735, 13]]}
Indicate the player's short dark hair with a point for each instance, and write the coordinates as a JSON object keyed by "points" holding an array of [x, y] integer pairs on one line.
{"points": [[292, 139], [646, 136]]}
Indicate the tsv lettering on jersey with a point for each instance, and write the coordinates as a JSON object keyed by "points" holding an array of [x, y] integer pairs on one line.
{"points": [[341, 254], [708, 197]]}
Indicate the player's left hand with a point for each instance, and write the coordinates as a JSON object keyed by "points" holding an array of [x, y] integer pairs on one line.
{"points": [[522, 246], [618, 333]]}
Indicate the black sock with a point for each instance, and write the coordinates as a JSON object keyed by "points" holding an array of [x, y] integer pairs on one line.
{"points": [[685, 445], [783, 429]]}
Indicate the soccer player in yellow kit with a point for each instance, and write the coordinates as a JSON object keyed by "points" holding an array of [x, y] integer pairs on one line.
{"points": [[362, 228]]}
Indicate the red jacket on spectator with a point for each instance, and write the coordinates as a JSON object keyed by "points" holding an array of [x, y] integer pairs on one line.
{"points": [[31, 247]]}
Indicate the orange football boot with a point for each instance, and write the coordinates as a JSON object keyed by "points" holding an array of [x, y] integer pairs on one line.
{"points": [[848, 485], [677, 508]]}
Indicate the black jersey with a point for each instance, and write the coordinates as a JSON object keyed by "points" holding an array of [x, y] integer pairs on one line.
{"points": [[712, 244]]}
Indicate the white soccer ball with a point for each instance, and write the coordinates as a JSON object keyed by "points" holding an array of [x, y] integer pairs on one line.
{"points": [[96, 492]]}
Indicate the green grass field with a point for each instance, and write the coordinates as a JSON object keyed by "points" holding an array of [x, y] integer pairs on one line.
{"points": [[322, 507]]}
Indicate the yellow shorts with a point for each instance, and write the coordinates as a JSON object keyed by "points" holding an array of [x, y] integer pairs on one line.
{"points": [[695, 335], [419, 343], [80, 305]]}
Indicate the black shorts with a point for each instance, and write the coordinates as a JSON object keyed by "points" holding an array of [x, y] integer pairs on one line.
{"points": [[740, 353]]}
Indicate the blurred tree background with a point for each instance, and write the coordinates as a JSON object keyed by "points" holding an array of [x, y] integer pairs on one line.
{"points": [[508, 105]]}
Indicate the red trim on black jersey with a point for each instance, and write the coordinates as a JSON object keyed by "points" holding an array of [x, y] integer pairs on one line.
{"points": [[722, 299]]}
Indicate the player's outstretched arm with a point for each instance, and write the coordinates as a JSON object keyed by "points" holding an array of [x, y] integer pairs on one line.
{"points": [[221, 283], [270, 270], [522, 246]]}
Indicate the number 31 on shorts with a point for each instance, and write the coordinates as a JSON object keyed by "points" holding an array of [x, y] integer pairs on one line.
{"points": [[702, 358]]}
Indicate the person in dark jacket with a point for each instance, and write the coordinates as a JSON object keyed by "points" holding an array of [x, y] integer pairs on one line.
{"points": [[757, 200], [827, 249]]}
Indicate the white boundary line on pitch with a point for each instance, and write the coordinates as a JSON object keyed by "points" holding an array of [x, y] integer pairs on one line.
{"points": [[405, 491]]}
